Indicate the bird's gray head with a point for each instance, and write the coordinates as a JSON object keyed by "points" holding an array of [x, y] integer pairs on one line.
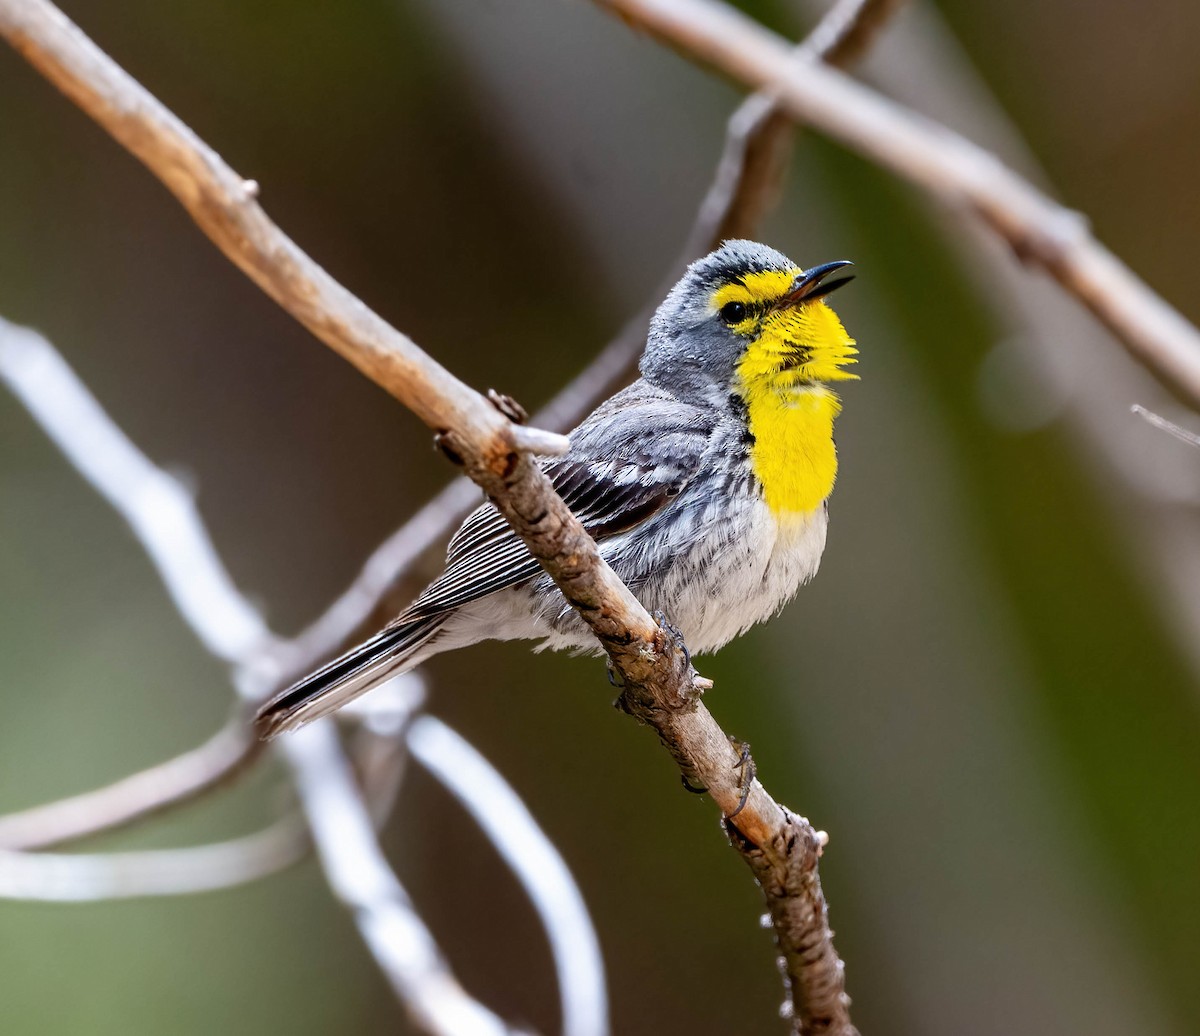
{"points": [[745, 311]]}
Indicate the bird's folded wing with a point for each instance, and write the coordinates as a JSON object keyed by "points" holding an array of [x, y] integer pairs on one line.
{"points": [[614, 479]]}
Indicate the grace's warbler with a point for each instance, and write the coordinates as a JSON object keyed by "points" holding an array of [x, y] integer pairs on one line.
{"points": [[705, 484]]}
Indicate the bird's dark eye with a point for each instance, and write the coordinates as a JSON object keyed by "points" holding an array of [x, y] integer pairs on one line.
{"points": [[733, 312]]}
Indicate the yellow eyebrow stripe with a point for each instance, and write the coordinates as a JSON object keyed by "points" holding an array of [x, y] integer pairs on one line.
{"points": [[756, 288]]}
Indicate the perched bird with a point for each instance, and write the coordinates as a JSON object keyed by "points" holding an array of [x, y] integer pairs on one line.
{"points": [[705, 484]]}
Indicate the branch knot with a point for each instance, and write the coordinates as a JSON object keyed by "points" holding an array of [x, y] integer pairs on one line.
{"points": [[508, 406]]}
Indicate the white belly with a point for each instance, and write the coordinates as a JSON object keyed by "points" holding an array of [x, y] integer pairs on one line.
{"points": [[715, 596], [712, 586]]}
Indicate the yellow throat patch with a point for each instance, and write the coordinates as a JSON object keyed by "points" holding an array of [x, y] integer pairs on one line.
{"points": [[783, 376]]}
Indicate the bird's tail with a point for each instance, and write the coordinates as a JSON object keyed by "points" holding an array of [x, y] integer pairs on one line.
{"points": [[360, 669]]}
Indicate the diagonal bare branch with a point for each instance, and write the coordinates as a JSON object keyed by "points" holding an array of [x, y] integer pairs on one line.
{"points": [[224, 206], [82, 877], [1040, 232], [661, 687], [745, 187], [139, 796]]}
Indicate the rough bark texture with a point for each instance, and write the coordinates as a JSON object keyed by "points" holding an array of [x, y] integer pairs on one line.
{"points": [[662, 690], [661, 687]]}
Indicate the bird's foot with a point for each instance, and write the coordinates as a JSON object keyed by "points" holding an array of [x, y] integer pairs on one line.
{"points": [[675, 634], [747, 772], [695, 789], [696, 685]]}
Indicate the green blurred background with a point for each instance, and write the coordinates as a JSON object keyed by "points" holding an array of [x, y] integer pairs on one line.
{"points": [[987, 697]]}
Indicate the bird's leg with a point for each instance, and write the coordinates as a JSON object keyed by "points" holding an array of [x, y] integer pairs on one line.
{"points": [[746, 776]]}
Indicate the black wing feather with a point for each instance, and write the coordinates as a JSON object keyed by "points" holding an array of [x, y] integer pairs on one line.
{"points": [[628, 460], [613, 479]]}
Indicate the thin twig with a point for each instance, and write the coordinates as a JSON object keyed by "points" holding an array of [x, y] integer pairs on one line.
{"points": [[1170, 427], [504, 818], [360, 877], [337, 815], [1038, 230], [62, 877], [137, 797]]}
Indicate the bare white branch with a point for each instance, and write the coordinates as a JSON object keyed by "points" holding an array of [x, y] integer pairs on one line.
{"points": [[363, 881], [165, 521], [1170, 427], [137, 796], [539, 867], [84, 877], [160, 511]]}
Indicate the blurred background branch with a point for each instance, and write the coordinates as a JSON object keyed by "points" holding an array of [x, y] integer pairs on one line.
{"points": [[1170, 427], [1050, 661], [1039, 231], [141, 795], [336, 813], [778, 844], [80, 877]]}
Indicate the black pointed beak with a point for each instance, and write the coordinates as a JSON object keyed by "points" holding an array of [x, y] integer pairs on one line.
{"points": [[809, 284]]}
